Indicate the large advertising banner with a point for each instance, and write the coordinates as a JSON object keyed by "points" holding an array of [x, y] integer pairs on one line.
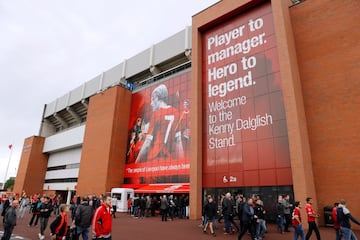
{"points": [[245, 139], [159, 133]]}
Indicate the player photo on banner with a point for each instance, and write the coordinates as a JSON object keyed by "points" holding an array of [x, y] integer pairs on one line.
{"points": [[159, 133], [245, 140]]}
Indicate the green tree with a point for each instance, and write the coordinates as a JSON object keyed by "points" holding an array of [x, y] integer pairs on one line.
{"points": [[9, 184]]}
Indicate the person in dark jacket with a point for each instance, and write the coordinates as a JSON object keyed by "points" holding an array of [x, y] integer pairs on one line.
{"points": [[287, 212], [83, 216], [136, 206], [35, 206], [148, 206], [5, 207], [259, 217], [280, 214], [240, 202], [114, 206], [142, 206], [164, 206], [45, 211], [182, 210], [172, 207], [247, 218], [60, 225], [227, 211], [344, 217], [154, 205], [210, 210], [10, 220]]}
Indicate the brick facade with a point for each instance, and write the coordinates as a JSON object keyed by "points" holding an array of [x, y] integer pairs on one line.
{"points": [[327, 45], [102, 164]]}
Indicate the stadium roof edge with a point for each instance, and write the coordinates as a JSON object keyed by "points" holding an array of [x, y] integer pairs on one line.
{"points": [[157, 58]]}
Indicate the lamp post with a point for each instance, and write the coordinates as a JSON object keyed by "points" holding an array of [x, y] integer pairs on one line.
{"points": [[8, 164]]}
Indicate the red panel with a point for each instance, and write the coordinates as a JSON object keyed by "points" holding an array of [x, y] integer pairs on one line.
{"points": [[209, 163], [277, 106], [274, 82], [134, 186], [164, 188], [272, 55], [266, 154], [284, 176], [239, 179], [222, 163], [269, 27], [221, 179], [209, 180], [270, 41], [250, 156], [261, 86], [282, 154], [251, 178], [268, 177], [236, 158], [279, 128]]}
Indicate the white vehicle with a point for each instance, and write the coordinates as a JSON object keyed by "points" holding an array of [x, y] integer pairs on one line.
{"points": [[122, 195]]}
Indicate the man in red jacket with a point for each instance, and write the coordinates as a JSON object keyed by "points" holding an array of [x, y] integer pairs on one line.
{"points": [[102, 220]]}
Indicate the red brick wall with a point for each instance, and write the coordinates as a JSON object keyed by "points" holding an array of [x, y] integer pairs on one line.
{"points": [[32, 167], [327, 44], [104, 148]]}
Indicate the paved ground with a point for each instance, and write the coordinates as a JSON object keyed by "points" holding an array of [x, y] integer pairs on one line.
{"points": [[126, 227], [13, 237]]}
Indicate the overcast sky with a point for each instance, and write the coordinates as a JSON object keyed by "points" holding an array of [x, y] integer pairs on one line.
{"points": [[48, 48]]}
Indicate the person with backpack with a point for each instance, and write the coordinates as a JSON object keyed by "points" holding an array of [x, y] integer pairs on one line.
{"points": [[83, 216], [60, 225], [344, 216]]}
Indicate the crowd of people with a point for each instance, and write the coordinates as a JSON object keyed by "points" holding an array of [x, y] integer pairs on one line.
{"points": [[246, 216], [251, 217], [171, 206], [74, 221], [71, 221]]}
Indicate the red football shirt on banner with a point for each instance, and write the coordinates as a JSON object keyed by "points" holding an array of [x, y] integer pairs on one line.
{"points": [[162, 128]]}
